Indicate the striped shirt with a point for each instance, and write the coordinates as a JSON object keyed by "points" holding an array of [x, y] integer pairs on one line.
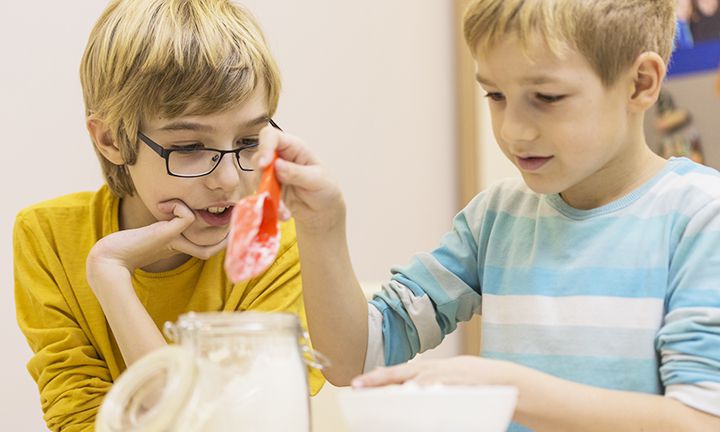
{"points": [[625, 296]]}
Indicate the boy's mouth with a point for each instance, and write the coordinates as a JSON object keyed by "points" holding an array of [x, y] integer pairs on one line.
{"points": [[533, 163], [216, 215], [217, 210]]}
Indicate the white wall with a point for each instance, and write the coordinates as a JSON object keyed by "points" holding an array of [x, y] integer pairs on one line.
{"points": [[369, 85], [45, 153]]}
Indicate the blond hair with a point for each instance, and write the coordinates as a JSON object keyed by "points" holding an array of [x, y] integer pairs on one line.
{"points": [[610, 34], [170, 58]]}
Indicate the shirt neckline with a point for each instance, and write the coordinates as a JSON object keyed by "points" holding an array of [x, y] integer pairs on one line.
{"points": [[559, 204]]}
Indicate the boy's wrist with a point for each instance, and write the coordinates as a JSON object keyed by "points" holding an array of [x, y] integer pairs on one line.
{"points": [[103, 272], [105, 260], [519, 376], [331, 222], [326, 235]]}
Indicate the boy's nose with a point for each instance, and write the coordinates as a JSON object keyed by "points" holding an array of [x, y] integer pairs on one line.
{"points": [[516, 127], [227, 174]]}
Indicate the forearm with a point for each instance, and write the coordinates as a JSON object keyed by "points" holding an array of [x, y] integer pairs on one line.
{"points": [[547, 403], [335, 304], [132, 326]]}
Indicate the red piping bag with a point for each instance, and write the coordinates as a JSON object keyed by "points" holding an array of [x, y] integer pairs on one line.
{"points": [[255, 230]]}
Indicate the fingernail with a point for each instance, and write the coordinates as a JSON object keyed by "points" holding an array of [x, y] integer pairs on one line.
{"points": [[357, 383]]}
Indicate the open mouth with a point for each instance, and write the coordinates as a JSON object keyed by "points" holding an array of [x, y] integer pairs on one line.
{"points": [[216, 216], [217, 210]]}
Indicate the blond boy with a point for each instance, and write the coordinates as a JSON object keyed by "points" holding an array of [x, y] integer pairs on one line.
{"points": [[176, 92], [597, 277]]}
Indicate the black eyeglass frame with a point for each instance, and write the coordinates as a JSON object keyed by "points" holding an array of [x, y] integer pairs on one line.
{"points": [[165, 153]]}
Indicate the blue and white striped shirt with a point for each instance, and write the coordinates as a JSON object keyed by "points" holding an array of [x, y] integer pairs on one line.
{"points": [[625, 296]]}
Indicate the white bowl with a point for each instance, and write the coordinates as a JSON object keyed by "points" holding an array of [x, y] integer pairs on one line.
{"points": [[428, 409]]}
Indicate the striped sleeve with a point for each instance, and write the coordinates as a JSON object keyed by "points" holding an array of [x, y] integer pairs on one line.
{"points": [[689, 340], [426, 299]]}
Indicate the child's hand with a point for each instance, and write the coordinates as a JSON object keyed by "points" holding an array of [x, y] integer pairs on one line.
{"points": [[137, 248], [462, 370], [311, 196]]}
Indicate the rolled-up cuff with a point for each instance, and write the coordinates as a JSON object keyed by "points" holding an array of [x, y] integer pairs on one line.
{"points": [[375, 355], [703, 396]]}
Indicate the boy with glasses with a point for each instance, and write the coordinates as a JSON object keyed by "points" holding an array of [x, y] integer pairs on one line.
{"points": [[176, 92], [597, 277]]}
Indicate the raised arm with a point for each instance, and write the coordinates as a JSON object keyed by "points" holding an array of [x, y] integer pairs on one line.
{"points": [[335, 304]]}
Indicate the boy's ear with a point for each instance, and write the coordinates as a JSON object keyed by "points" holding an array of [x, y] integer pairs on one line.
{"points": [[648, 73], [103, 140]]}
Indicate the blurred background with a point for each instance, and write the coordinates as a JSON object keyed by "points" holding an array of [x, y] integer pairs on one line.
{"points": [[685, 119]]}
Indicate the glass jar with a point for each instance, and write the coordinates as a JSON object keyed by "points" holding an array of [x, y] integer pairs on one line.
{"points": [[229, 371]]}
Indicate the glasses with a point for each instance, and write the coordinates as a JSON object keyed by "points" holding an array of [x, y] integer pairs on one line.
{"points": [[197, 162]]}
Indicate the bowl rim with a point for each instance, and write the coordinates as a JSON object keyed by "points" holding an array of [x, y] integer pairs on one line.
{"points": [[404, 390]]}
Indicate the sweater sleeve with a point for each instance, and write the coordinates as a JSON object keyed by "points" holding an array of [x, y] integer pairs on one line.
{"points": [[71, 377], [689, 340], [279, 289], [425, 299]]}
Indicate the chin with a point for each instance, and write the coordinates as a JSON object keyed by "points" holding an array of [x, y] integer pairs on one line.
{"points": [[206, 237], [538, 185]]}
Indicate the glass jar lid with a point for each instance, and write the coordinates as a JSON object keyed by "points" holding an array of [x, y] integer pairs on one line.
{"points": [[232, 323]]}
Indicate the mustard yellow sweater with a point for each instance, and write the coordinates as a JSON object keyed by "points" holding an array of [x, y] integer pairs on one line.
{"points": [[76, 358]]}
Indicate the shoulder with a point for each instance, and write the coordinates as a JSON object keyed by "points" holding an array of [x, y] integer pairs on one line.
{"points": [[68, 211], [686, 188], [78, 201], [686, 174]]}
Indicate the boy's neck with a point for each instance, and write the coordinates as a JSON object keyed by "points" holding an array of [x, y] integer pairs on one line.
{"points": [[167, 264], [625, 173]]}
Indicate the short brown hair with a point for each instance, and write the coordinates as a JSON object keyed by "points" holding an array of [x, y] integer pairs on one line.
{"points": [[165, 57], [610, 34]]}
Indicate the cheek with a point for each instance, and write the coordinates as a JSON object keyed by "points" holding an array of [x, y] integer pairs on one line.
{"points": [[148, 171], [583, 131], [249, 182], [153, 185], [496, 123], [609, 132]]}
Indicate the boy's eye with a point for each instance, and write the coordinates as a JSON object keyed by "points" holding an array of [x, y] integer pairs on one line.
{"points": [[495, 96], [249, 142], [549, 98]]}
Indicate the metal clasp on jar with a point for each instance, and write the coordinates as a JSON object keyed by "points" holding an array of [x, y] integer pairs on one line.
{"points": [[312, 357]]}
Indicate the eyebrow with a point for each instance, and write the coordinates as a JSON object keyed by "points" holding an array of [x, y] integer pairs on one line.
{"points": [[535, 80], [482, 80], [187, 125], [539, 79], [182, 125]]}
